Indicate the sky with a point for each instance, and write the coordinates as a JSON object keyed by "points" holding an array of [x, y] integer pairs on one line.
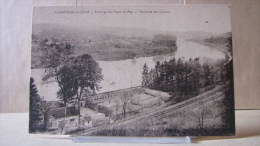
{"points": [[207, 18]]}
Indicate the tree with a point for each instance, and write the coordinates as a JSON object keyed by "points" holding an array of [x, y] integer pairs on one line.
{"points": [[45, 109], [208, 75], [145, 76], [67, 84], [172, 73], [152, 78], [125, 98], [117, 107], [228, 115], [201, 115], [35, 111], [180, 74], [85, 75], [56, 56], [61, 125], [163, 77], [229, 44], [195, 76], [186, 85], [158, 68]]}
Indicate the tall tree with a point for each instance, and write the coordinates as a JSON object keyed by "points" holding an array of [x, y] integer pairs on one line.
{"points": [[208, 75], [145, 76], [180, 74], [125, 98], [45, 109], [172, 73], [200, 115], [35, 110], [158, 68], [86, 76], [186, 85], [152, 78], [56, 56], [67, 84], [228, 115], [195, 76]]}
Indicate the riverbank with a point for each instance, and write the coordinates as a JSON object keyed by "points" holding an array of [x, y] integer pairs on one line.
{"points": [[220, 47]]}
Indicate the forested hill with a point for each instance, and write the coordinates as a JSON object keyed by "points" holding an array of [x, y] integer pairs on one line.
{"points": [[104, 44]]}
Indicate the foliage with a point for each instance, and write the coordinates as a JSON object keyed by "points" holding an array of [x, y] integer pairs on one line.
{"points": [[86, 74], [104, 110], [45, 109], [61, 125], [145, 76], [125, 98], [207, 75], [81, 74], [111, 132], [201, 114], [35, 110], [99, 108], [66, 83], [74, 131], [228, 115], [74, 75], [229, 45], [182, 77], [91, 105], [56, 55]]}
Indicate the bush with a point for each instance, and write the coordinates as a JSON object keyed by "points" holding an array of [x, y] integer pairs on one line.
{"points": [[74, 131], [99, 108], [104, 110], [91, 105]]}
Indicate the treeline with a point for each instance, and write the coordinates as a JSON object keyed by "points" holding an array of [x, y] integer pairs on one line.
{"points": [[183, 78], [228, 115], [221, 39], [38, 111]]}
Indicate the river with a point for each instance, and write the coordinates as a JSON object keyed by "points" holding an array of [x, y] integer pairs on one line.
{"points": [[128, 73]]}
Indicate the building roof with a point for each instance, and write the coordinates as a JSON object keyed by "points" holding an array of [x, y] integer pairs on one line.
{"points": [[60, 112], [87, 118], [55, 104]]}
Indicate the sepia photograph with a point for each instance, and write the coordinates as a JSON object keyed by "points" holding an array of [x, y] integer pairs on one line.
{"points": [[132, 70]]}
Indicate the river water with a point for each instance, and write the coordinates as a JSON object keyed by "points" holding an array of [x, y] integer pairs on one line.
{"points": [[128, 73]]}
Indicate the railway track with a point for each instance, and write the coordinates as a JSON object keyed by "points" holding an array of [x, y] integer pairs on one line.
{"points": [[165, 112], [168, 112]]}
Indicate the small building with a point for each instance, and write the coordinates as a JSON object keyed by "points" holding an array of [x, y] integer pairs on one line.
{"points": [[58, 115], [69, 116], [88, 121]]}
